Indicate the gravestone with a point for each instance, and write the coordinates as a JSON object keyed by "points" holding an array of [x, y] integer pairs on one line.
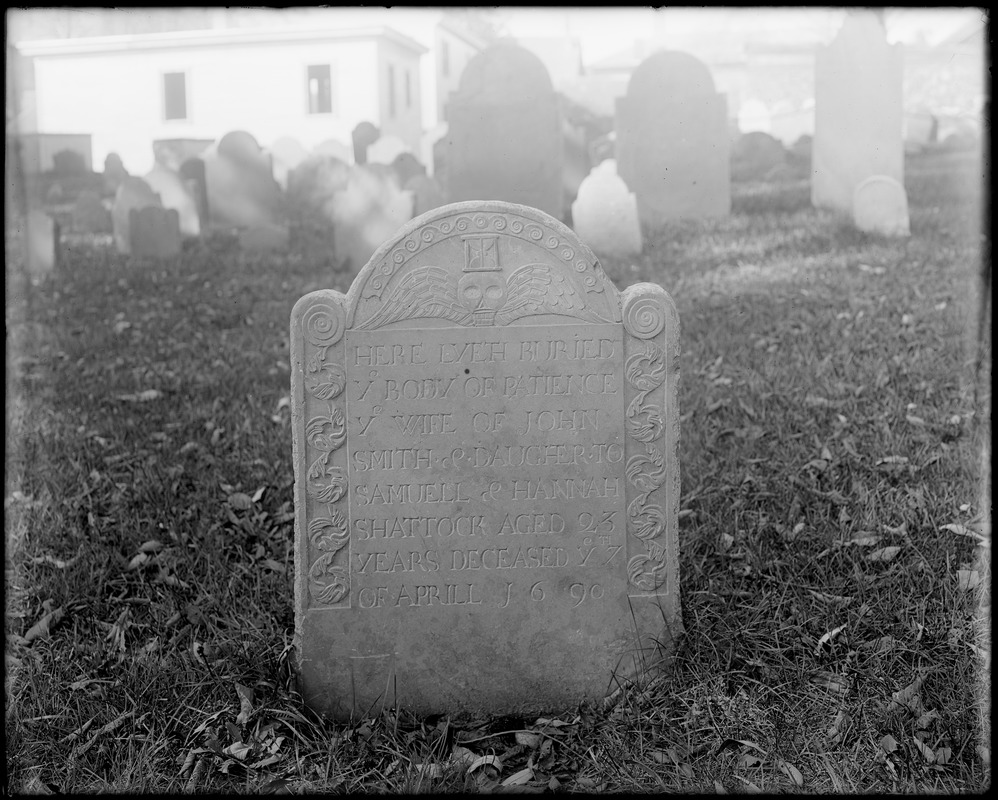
{"points": [[407, 166], [286, 153], [90, 215], [177, 193], [114, 173], [426, 194], [754, 155], [193, 174], [672, 140], [504, 136], [133, 194], [880, 205], [485, 439], [857, 123], [42, 243], [241, 188], [605, 213], [364, 135], [386, 149], [154, 232]]}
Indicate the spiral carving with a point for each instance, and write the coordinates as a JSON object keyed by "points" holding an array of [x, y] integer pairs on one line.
{"points": [[328, 583], [646, 573], [644, 317], [323, 324], [646, 370], [328, 432], [647, 521]]}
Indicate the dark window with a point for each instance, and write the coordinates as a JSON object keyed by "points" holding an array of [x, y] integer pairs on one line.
{"points": [[174, 95], [444, 59], [320, 90], [391, 91], [408, 89]]}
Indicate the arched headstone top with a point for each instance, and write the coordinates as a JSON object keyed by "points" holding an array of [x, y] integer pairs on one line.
{"points": [[473, 231], [670, 73], [504, 74], [239, 146]]}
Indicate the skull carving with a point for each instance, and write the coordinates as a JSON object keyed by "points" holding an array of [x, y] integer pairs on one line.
{"points": [[482, 291]]}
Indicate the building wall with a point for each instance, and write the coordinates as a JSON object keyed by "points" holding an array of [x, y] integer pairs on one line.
{"points": [[118, 97], [406, 122]]}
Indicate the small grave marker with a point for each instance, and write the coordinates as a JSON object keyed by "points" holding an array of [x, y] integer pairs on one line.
{"points": [[154, 232], [605, 214], [485, 439], [880, 205]]}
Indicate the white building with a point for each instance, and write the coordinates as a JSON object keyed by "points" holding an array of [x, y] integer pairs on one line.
{"points": [[310, 83]]}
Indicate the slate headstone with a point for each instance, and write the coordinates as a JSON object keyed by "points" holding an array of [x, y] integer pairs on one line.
{"points": [[407, 166], [504, 136], [90, 215], [672, 140], [364, 135], [133, 194], [242, 191], [154, 232], [42, 243], [485, 437], [857, 124], [880, 205], [114, 173], [605, 213]]}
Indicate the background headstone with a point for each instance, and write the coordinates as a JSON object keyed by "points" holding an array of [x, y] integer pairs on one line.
{"points": [[193, 174], [154, 232], [880, 205], [90, 214], [672, 140], [754, 155], [605, 213], [114, 173], [133, 194], [42, 243], [242, 191], [336, 149], [426, 194], [492, 528], [857, 124], [286, 154], [407, 166], [504, 138], [386, 149], [174, 192], [364, 135]]}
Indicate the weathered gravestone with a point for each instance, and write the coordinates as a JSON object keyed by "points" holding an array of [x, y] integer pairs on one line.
{"points": [[154, 232], [42, 243], [672, 140], [426, 194], [880, 205], [605, 214], [240, 182], [386, 149], [363, 135], [857, 115], [504, 140], [90, 215], [486, 480], [132, 194], [286, 154], [177, 193], [754, 155]]}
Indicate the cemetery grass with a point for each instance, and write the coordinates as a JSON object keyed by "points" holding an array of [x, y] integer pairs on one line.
{"points": [[835, 540]]}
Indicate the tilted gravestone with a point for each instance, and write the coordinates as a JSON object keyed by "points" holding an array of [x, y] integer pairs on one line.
{"points": [[605, 214], [485, 439], [880, 205], [504, 140], [154, 232], [857, 112], [672, 140]]}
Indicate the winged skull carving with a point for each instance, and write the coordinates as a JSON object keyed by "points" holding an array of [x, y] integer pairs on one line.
{"points": [[481, 298]]}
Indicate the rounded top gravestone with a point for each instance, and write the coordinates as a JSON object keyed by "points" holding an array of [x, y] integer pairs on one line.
{"points": [[668, 75], [239, 146], [880, 205], [485, 436], [504, 74]]}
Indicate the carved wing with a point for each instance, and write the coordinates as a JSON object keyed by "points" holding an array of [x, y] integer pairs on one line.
{"points": [[427, 292], [538, 289]]}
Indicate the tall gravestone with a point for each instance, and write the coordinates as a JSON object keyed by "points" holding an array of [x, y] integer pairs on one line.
{"points": [[193, 173], [485, 439], [672, 140], [504, 140], [857, 114], [363, 135]]}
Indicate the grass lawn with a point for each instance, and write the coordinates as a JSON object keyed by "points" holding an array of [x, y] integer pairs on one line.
{"points": [[835, 525]]}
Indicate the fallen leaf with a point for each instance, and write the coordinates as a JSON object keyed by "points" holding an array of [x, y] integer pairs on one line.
{"points": [[792, 772], [925, 750], [58, 563], [151, 546], [137, 561], [827, 638], [884, 553], [240, 501], [519, 778], [141, 397], [237, 750], [43, 628], [888, 744], [258, 494], [490, 761], [245, 703], [531, 740], [968, 579], [908, 696]]}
